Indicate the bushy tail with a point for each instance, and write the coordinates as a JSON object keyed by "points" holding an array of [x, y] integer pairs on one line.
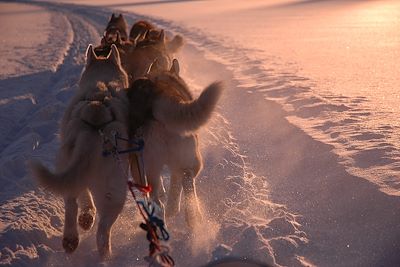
{"points": [[70, 179], [47, 179], [175, 44], [188, 116]]}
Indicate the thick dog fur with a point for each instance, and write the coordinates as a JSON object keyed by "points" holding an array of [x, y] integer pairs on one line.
{"points": [[169, 116], [81, 171], [118, 23], [151, 45], [139, 29], [147, 45]]}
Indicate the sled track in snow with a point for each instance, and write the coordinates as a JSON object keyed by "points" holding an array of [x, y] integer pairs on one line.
{"points": [[241, 215]]}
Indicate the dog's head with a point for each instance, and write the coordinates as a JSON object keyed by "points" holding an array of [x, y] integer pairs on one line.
{"points": [[139, 29], [103, 69], [111, 36], [152, 37], [116, 26]]}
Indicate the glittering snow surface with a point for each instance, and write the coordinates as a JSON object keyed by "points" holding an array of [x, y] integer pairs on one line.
{"points": [[271, 191]]}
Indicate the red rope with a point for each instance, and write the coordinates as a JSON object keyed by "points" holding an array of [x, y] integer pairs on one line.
{"points": [[142, 188], [156, 243]]}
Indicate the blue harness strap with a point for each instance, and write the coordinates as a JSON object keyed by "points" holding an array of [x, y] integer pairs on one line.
{"points": [[138, 143], [154, 226]]}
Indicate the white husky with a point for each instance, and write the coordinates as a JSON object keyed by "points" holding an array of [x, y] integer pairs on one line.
{"points": [[99, 106], [163, 106]]}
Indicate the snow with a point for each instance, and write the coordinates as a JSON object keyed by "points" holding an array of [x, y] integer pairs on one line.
{"points": [[32, 44], [276, 187]]}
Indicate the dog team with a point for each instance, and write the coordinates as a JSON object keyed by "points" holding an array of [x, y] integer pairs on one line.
{"points": [[131, 86]]}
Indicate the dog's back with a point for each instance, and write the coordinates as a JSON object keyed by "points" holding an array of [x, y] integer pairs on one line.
{"points": [[139, 29], [175, 105], [87, 110]]}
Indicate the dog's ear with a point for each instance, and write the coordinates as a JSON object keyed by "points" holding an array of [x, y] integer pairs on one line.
{"points": [[175, 67], [152, 67], [135, 42], [161, 37], [90, 55], [120, 15], [146, 35], [113, 16], [142, 36], [114, 55]]}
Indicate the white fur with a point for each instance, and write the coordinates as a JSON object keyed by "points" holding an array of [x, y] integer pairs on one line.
{"points": [[171, 140], [183, 117], [81, 170]]}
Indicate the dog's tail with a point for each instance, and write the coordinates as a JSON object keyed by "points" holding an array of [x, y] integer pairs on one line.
{"points": [[175, 44], [188, 116], [69, 179]]}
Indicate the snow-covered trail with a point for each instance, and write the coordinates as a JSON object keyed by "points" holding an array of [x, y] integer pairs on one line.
{"points": [[348, 220], [254, 158], [241, 216], [31, 106]]}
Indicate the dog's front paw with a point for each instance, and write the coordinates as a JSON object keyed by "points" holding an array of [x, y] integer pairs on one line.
{"points": [[70, 244], [86, 220]]}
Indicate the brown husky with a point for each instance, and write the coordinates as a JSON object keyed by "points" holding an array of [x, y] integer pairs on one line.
{"points": [[145, 31], [139, 29], [115, 33], [97, 111], [114, 26], [151, 45], [168, 115], [146, 45], [145, 53]]}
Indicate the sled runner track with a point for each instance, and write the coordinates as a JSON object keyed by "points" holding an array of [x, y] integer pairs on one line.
{"points": [[47, 91], [31, 108]]}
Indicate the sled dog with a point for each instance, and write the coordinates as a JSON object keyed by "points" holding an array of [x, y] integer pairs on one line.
{"points": [[114, 26], [164, 110], [146, 44], [151, 45], [87, 180], [139, 29], [137, 62], [145, 31], [115, 33]]}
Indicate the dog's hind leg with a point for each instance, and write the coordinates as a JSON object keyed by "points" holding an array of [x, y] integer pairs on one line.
{"points": [[108, 212], [174, 193], [192, 210], [185, 165], [109, 189], [87, 210], [154, 179], [71, 237]]}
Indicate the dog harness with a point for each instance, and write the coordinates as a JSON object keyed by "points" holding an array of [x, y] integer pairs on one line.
{"points": [[153, 225]]}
